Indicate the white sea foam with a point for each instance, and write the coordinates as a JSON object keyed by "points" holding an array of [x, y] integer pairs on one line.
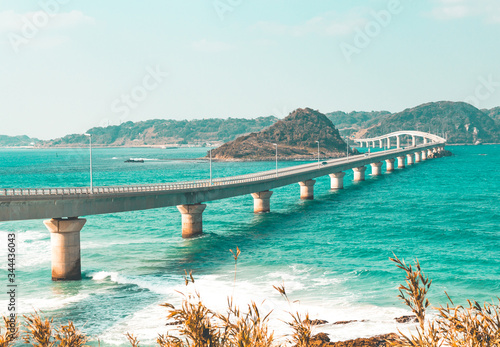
{"points": [[42, 303], [214, 291], [145, 324], [32, 249], [158, 285]]}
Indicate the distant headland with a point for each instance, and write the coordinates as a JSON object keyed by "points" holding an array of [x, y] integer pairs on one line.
{"points": [[459, 122]]}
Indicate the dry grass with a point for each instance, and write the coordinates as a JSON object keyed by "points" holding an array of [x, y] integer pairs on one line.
{"points": [[39, 331], [11, 333], [415, 291], [69, 336], [454, 326]]}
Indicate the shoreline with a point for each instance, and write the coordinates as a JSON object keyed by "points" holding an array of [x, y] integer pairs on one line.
{"points": [[94, 146]]}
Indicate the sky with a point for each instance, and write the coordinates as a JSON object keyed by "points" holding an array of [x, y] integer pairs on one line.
{"points": [[69, 65]]}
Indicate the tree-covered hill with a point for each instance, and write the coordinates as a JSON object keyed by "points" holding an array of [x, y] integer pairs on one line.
{"points": [[296, 137], [349, 123], [459, 122], [16, 141], [164, 132]]}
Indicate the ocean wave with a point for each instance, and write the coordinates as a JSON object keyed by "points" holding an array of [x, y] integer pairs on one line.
{"points": [[28, 305], [32, 249], [156, 284]]}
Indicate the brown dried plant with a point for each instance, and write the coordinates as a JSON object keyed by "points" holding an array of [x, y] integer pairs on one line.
{"points": [[474, 325], [302, 328], [69, 336], [454, 326], [416, 289], [245, 329], [195, 320], [39, 331], [11, 333], [235, 254], [134, 342]]}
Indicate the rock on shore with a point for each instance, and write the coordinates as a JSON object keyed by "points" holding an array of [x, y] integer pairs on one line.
{"points": [[322, 340]]}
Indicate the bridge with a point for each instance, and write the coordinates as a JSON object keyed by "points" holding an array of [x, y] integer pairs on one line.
{"points": [[65, 206], [415, 135]]}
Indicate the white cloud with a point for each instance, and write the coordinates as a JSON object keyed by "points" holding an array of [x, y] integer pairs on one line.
{"points": [[11, 21], [205, 45], [488, 10], [328, 24]]}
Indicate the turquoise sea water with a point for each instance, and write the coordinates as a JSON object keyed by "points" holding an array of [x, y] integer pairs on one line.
{"points": [[331, 253]]}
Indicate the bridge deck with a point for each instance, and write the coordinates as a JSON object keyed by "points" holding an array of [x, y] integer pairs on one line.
{"points": [[38, 203]]}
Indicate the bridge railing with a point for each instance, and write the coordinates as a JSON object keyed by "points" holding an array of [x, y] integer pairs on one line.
{"points": [[258, 176]]}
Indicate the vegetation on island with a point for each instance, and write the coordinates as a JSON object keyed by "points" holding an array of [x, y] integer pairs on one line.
{"points": [[164, 131], [458, 122], [199, 326], [494, 114], [17, 141], [352, 122], [296, 136]]}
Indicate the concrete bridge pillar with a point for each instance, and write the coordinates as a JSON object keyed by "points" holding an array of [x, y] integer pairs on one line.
{"points": [[413, 141], [307, 189], [389, 165], [398, 142], [409, 159], [359, 173], [376, 168], [429, 153], [425, 140], [388, 143], [401, 162], [192, 224], [65, 242], [380, 144], [424, 155], [337, 180], [262, 201], [417, 157]]}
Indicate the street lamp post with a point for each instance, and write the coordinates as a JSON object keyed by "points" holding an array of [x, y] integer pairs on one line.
{"points": [[276, 145], [318, 152], [210, 166], [91, 179], [347, 147]]}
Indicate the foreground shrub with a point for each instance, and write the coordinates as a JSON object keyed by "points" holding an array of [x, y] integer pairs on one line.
{"points": [[456, 326]]}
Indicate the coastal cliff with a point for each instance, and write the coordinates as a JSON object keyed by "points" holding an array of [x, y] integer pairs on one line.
{"points": [[295, 135]]}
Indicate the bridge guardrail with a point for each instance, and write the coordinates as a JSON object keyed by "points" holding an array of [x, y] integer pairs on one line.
{"points": [[258, 176]]}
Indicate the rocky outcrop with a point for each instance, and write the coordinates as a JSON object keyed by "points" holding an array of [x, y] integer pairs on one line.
{"points": [[322, 340], [406, 319], [440, 154], [295, 135]]}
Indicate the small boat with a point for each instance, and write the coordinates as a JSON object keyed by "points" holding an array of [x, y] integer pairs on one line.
{"points": [[134, 160]]}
